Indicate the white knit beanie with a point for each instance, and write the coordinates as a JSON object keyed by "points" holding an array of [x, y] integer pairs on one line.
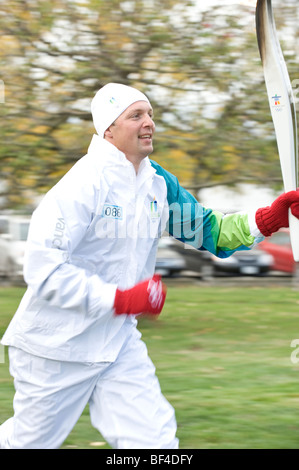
{"points": [[110, 102]]}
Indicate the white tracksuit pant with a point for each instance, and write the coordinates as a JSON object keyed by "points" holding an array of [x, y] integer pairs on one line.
{"points": [[125, 401]]}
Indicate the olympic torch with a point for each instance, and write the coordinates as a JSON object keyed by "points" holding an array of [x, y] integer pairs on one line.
{"points": [[282, 105]]}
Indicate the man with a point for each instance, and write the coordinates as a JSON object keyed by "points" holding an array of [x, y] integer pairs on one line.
{"points": [[90, 271]]}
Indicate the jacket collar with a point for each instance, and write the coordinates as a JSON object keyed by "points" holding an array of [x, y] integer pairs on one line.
{"points": [[108, 153]]}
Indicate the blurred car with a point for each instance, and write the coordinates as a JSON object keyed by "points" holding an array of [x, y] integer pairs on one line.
{"points": [[168, 261], [279, 247], [196, 261], [13, 236], [252, 262], [175, 257], [7, 267]]}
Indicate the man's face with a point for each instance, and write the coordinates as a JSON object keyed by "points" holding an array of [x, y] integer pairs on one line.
{"points": [[132, 132]]}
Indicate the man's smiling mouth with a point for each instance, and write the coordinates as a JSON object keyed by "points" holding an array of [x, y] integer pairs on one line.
{"points": [[146, 136]]}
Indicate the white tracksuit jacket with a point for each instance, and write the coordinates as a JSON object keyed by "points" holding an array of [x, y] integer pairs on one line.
{"points": [[93, 231]]}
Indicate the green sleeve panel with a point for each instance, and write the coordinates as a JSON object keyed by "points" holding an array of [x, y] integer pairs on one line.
{"points": [[203, 228], [233, 232]]}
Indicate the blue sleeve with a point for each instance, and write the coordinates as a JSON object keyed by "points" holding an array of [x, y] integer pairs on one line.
{"points": [[203, 228]]}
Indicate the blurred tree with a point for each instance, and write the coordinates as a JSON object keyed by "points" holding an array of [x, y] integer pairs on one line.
{"points": [[200, 69]]}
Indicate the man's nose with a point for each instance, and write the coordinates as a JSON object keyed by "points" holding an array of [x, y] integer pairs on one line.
{"points": [[148, 122]]}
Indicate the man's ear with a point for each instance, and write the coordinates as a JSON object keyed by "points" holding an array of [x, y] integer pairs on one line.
{"points": [[108, 133]]}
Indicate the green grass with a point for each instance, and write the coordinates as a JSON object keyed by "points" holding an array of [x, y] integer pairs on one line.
{"points": [[223, 357]]}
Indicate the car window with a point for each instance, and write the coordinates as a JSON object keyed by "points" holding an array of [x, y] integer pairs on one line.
{"points": [[24, 227], [3, 226], [19, 230]]}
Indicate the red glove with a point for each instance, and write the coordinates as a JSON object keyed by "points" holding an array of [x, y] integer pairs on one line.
{"points": [[272, 218], [146, 297]]}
